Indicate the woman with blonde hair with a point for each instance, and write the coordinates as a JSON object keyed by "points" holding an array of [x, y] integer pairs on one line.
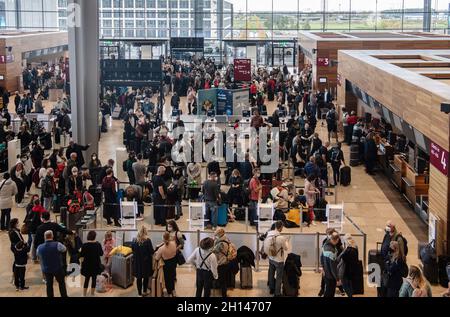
{"points": [[395, 270], [167, 251], [143, 260], [415, 285], [348, 263]]}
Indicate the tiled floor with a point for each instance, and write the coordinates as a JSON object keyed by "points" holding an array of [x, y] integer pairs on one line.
{"points": [[369, 203]]}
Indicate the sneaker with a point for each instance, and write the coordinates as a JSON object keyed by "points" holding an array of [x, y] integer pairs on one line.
{"points": [[314, 223], [320, 294], [24, 288], [140, 219], [17, 289]]}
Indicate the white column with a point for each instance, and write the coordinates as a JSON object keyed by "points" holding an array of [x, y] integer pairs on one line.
{"points": [[83, 26]]}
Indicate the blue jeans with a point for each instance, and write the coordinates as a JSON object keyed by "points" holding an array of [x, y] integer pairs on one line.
{"points": [[48, 201], [211, 210], [275, 277]]}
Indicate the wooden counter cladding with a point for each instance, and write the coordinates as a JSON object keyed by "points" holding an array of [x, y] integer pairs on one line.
{"points": [[416, 99]]}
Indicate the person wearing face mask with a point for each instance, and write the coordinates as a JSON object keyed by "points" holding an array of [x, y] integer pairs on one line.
{"points": [[395, 270], [28, 169], [329, 263], [95, 167], [211, 194], [391, 234], [19, 177], [48, 189], [75, 184], [255, 188], [37, 155], [33, 220], [221, 249], [8, 189]]}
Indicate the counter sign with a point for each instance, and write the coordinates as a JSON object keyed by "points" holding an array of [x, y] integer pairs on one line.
{"points": [[242, 69], [439, 158]]}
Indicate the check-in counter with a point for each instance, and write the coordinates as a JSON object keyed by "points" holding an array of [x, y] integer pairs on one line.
{"points": [[385, 156], [414, 185], [398, 171]]}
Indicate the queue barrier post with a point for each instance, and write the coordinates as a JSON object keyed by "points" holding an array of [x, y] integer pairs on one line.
{"points": [[318, 252]]}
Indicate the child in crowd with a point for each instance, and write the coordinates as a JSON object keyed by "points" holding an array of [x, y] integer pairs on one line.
{"points": [[20, 251], [108, 245]]}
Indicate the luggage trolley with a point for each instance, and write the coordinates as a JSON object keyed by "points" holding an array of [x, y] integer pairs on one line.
{"points": [[128, 211]]}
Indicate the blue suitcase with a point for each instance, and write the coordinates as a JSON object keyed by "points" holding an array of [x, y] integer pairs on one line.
{"points": [[222, 218]]}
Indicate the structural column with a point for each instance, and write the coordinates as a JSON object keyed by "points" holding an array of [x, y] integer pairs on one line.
{"points": [[83, 26]]}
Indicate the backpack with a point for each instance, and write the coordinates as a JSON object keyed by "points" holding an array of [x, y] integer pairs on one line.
{"points": [[231, 252], [36, 179], [74, 206], [88, 201], [125, 166], [246, 189], [331, 116], [103, 283], [405, 243], [335, 155], [273, 247]]}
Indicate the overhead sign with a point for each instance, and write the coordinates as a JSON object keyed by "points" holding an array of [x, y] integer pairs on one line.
{"points": [[323, 61], [242, 69], [439, 158], [6, 59]]}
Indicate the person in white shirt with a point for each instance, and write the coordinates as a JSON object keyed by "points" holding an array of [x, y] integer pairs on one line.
{"points": [[206, 263], [276, 247]]}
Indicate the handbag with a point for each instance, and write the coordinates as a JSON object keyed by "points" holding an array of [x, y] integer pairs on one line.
{"points": [[180, 258], [24, 229]]}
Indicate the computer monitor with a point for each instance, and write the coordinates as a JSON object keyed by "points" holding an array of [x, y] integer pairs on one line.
{"points": [[246, 113]]}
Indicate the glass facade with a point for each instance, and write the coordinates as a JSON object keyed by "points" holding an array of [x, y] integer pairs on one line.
{"points": [[231, 19]]}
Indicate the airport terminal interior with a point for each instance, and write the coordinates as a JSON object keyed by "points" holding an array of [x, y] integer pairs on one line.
{"points": [[224, 148]]}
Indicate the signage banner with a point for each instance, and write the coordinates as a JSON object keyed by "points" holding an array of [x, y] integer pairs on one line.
{"points": [[224, 102], [242, 69], [323, 61], [6, 59], [439, 158]]}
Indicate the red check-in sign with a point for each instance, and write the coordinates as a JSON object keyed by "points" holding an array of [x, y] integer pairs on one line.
{"points": [[323, 61], [439, 158]]}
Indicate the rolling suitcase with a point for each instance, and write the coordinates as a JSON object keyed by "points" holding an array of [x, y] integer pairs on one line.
{"points": [[239, 214], [354, 155], [376, 257], [122, 270], [320, 209], [116, 113], [96, 192], [246, 277], [222, 218], [443, 262], [358, 281], [427, 254], [346, 176]]}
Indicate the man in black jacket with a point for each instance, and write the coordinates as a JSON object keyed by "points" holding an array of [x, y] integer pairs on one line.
{"points": [[175, 101], [47, 225], [78, 149]]}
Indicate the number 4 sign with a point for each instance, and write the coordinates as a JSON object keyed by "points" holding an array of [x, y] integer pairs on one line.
{"points": [[439, 158]]}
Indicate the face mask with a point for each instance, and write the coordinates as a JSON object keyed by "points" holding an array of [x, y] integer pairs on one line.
{"points": [[24, 160], [170, 229], [94, 158], [388, 229], [74, 173], [52, 174]]}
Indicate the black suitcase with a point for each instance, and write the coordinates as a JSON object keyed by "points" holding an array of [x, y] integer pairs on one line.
{"points": [[239, 214], [346, 176], [358, 281], [320, 209], [443, 261], [376, 257], [431, 272], [57, 136], [96, 192]]}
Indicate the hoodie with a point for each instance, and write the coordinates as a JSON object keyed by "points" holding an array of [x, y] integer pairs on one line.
{"points": [[328, 260]]}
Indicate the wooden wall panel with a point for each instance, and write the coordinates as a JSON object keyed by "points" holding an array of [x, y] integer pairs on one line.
{"points": [[417, 100], [328, 48], [26, 43]]}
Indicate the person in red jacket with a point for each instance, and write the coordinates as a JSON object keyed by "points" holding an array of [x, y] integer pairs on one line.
{"points": [[253, 92], [351, 121]]}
